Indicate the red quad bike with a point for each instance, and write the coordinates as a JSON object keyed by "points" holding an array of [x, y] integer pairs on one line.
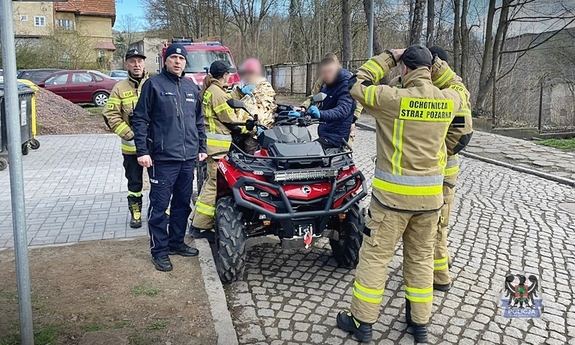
{"points": [[290, 188]]}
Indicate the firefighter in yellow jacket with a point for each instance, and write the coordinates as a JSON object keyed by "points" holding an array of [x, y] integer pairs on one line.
{"points": [[319, 84], [218, 116], [458, 136], [117, 115], [412, 123]]}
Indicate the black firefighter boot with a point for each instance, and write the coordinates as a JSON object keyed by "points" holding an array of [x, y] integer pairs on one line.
{"points": [[419, 330], [135, 206], [348, 323]]}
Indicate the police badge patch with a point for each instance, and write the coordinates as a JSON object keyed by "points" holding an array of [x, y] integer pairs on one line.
{"points": [[521, 299]]}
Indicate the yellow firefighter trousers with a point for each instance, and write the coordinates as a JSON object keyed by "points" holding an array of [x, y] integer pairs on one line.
{"points": [[205, 208], [441, 255], [386, 227]]}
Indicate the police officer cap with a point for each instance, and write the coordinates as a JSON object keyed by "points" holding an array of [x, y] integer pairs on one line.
{"points": [[219, 68], [439, 52], [417, 56], [178, 49], [134, 53]]}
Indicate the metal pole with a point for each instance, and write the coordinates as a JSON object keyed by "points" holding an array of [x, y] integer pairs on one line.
{"points": [[539, 123], [370, 25], [16, 172]]}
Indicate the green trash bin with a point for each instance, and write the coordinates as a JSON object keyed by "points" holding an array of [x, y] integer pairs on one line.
{"points": [[25, 95]]}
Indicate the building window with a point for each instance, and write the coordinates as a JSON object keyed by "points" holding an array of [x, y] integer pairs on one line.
{"points": [[101, 53], [23, 18], [65, 24], [39, 21], [157, 59]]}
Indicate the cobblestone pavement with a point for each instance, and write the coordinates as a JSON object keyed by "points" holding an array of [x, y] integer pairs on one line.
{"points": [[503, 222], [518, 152], [75, 191]]}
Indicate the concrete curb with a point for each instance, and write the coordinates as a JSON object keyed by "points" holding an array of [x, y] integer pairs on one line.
{"points": [[225, 331], [541, 174]]}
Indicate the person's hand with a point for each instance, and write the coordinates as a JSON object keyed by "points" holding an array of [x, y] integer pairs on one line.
{"points": [[202, 156], [259, 131], [397, 54], [247, 90], [313, 110], [293, 113], [145, 161]]}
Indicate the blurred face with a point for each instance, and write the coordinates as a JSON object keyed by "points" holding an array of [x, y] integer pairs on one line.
{"points": [[135, 65], [226, 78], [328, 73], [249, 77], [175, 64]]}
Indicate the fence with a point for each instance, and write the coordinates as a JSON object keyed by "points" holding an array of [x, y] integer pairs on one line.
{"points": [[297, 79]]}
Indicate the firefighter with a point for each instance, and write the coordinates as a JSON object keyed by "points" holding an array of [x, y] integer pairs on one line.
{"points": [[407, 188], [317, 87], [458, 136], [218, 116], [117, 115], [170, 137]]}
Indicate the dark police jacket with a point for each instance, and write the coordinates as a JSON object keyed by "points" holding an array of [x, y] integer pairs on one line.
{"points": [[337, 110], [168, 121]]}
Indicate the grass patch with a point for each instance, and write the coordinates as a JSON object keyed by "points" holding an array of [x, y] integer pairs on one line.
{"points": [[140, 290], [11, 295], [562, 144], [140, 339], [121, 324], [47, 335], [92, 328], [94, 110], [157, 326]]}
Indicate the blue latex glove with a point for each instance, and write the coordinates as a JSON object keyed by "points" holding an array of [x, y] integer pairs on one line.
{"points": [[293, 113], [314, 111], [259, 131], [247, 89]]}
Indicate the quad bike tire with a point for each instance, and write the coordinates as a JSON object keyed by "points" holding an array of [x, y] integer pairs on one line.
{"points": [[25, 149], [34, 144], [201, 174], [230, 240], [346, 248]]}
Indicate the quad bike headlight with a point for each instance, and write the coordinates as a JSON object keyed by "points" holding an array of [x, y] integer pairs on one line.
{"points": [[295, 175]]}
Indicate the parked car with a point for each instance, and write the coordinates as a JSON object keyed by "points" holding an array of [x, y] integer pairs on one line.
{"points": [[118, 74], [36, 75], [80, 86]]}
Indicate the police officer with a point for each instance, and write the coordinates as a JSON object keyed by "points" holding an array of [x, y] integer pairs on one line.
{"points": [[117, 115], [218, 117], [458, 136], [170, 136], [407, 188]]}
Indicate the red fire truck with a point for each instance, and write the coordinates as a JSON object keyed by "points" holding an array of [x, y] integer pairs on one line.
{"points": [[200, 57]]}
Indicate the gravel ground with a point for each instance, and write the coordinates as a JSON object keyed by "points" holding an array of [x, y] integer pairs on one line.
{"points": [[56, 115]]}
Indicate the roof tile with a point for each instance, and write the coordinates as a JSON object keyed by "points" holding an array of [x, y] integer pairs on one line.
{"points": [[95, 7]]}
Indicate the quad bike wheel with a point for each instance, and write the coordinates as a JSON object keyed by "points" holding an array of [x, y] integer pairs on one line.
{"points": [[34, 144], [230, 240], [346, 249], [3, 164], [201, 174]]}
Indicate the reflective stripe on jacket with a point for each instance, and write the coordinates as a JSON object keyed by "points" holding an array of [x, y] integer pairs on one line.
{"points": [[118, 110], [216, 114], [412, 123]]}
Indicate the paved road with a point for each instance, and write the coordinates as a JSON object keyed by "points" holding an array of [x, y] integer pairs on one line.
{"points": [[518, 152], [75, 191], [503, 222]]}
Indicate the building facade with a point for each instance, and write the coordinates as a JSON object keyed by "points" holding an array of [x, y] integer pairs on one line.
{"points": [[152, 48], [33, 20]]}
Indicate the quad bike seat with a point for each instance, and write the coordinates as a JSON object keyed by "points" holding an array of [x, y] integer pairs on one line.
{"points": [[311, 149]]}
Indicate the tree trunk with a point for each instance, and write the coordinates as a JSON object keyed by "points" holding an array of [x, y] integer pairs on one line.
{"points": [[417, 22], [377, 49], [346, 32], [456, 35], [464, 42], [483, 88], [429, 37]]}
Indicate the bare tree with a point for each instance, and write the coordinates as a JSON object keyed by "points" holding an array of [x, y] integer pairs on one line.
{"points": [[416, 28], [346, 31], [376, 43], [429, 34]]}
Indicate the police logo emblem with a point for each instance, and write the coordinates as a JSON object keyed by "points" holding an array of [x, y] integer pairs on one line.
{"points": [[178, 50]]}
